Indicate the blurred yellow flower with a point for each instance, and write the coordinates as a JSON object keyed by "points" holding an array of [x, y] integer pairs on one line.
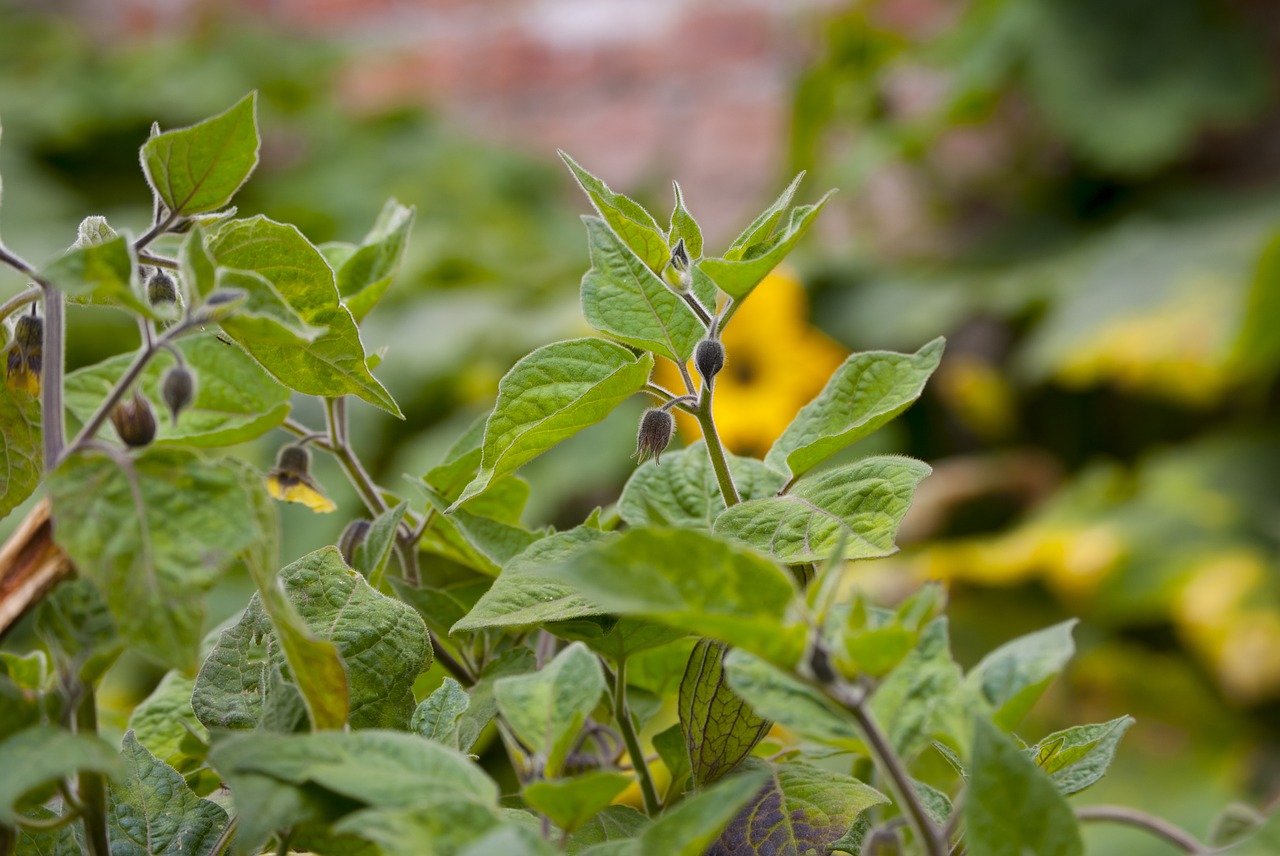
{"points": [[291, 480], [775, 363]]}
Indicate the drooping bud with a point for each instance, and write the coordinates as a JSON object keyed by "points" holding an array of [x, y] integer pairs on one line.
{"points": [[656, 428], [352, 537], [709, 359], [161, 289], [680, 256], [178, 388], [134, 421], [28, 333], [291, 480]]}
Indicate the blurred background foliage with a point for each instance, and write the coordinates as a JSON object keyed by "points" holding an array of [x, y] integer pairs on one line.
{"points": [[1083, 195]]}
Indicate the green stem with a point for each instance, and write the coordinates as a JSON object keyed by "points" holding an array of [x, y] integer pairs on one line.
{"points": [[1158, 827], [224, 840], [92, 789], [715, 450], [623, 714]]}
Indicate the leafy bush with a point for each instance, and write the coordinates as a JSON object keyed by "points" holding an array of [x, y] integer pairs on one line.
{"points": [[806, 719]]}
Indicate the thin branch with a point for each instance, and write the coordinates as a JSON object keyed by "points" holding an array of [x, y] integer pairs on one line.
{"points": [[52, 369], [224, 840], [452, 664], [157, 229], [715, 450], [696, 307], [28, 295], [158, 261], [350, 464], [1158, 827], [16, 262], [622, 714]]}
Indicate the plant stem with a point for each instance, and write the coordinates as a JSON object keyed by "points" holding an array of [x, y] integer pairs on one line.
{"points": [[356, 473], [1158, 827], [224, 840], [715, 450], [92, 789], [623, 714], [451, 663], [52, 367], [855, 701], [30, 294]]}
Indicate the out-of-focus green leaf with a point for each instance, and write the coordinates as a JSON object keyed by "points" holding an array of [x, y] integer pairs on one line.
{"points": [[720, 729], [20, 444], [47, 842], [681, 490], [745, 267], [152, 812], [857, 507], [365, 274], [773, 693], [1013, 676], [615, 823], [867, 391], [1011, 807], [76, 624], [164, 720], [909, 700], [437, 716], [1236, 823], [550, 395], [546, 709], [1079, 756], [200, 168], [100, 274], [622, 297], [41, 756], [569, 803]]}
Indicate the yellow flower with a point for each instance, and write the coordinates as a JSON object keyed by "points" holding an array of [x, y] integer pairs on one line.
{"points": [[775, 363], [291, 480]]}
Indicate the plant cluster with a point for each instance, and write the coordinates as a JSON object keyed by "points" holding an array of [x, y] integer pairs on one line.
{"points": [[806, 719]]}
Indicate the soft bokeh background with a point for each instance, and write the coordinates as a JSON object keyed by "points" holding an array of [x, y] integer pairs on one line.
{"points": [[1083, 195]]}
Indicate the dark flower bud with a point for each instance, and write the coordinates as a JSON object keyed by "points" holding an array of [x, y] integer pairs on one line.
{"points": [[680, 256], [656, 427], [134, 421], [28, 333], [178, 388], [352, 537], [161, 289], [709, 358], [291, 480]]}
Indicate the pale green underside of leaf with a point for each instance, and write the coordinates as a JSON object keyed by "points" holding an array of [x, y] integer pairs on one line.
{"points": [[681, 490], [41, 756], [200, 168], [1010, 679], [550, 395], [625, 299], [333, 363], [365, 273], [867, 391], [547, 708], [739, 277], [720, 729], [20, 445], [438, 716], [1078, 757], [776, 694], [858, 506], [235, 399]]}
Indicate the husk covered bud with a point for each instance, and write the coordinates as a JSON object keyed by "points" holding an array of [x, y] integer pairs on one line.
{"points": [[352, 537], [291, 480], [161, 289], [656, 428], [25, 355], [178, 389], [28, 333], [680, 256], [709, 358], [134, 421]]}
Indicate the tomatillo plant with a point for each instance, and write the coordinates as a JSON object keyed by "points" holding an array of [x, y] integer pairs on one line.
{"points": [[652, 647]]}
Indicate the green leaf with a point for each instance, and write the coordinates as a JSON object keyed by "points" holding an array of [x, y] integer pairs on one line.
{"points": [[259, 308], [625, 299], [1236, 823], [633, 225], [526, 594], [1011, 808], [693, 825], [738, 277], [365, 274], [935, 803], [29, 671], [373, 552], [547, 708], [382, 641], [47, 842], [617, 638], [41, 756], [75, 623], [569, 803], [1013, 676], [439, 715], [765, 223], [867, 391], [94, 230], [1078, 757], [100, 274], [681, 491], [200, 168], [484, 705], [20, 707], [671, 748], [916, 694], [152, 812], [720, 729], [20, 441], [550, 395], [693, 581], [684, 227], [801, 809], [235, 399], [615, 823], [483, 543], [790, 702], [331, 365], [856, 507], [164, 721], [153, 532], [448, 828]]}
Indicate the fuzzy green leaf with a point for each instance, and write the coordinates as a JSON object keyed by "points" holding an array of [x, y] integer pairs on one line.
{"points": [[20, 445], [153, 532], [438, 716], [1013, 676], [333, 364], [152, 812], [801, 809], [1077, 757], [738, 277], [690, 580], [75, 623], [1011, 808], [200, 168], [867, 391], [720, 729], [547, 708], [550, 395], [792, 703], [374, 551], [681, 491], [164, 720], [365, 274], [569, 803], [919, 691], [100, 274], [684, 227], [856, 507], [694, 825], [765, 223], [625, 299], [235, 400], [615, 824], [633, 225], [41, 756]]}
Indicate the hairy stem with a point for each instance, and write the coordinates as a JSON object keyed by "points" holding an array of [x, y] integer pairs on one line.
{"points": [[347, 459], [52, 368], [622, 713], [715, 450], [28, 295], [92, 789], [1158, 827]]}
